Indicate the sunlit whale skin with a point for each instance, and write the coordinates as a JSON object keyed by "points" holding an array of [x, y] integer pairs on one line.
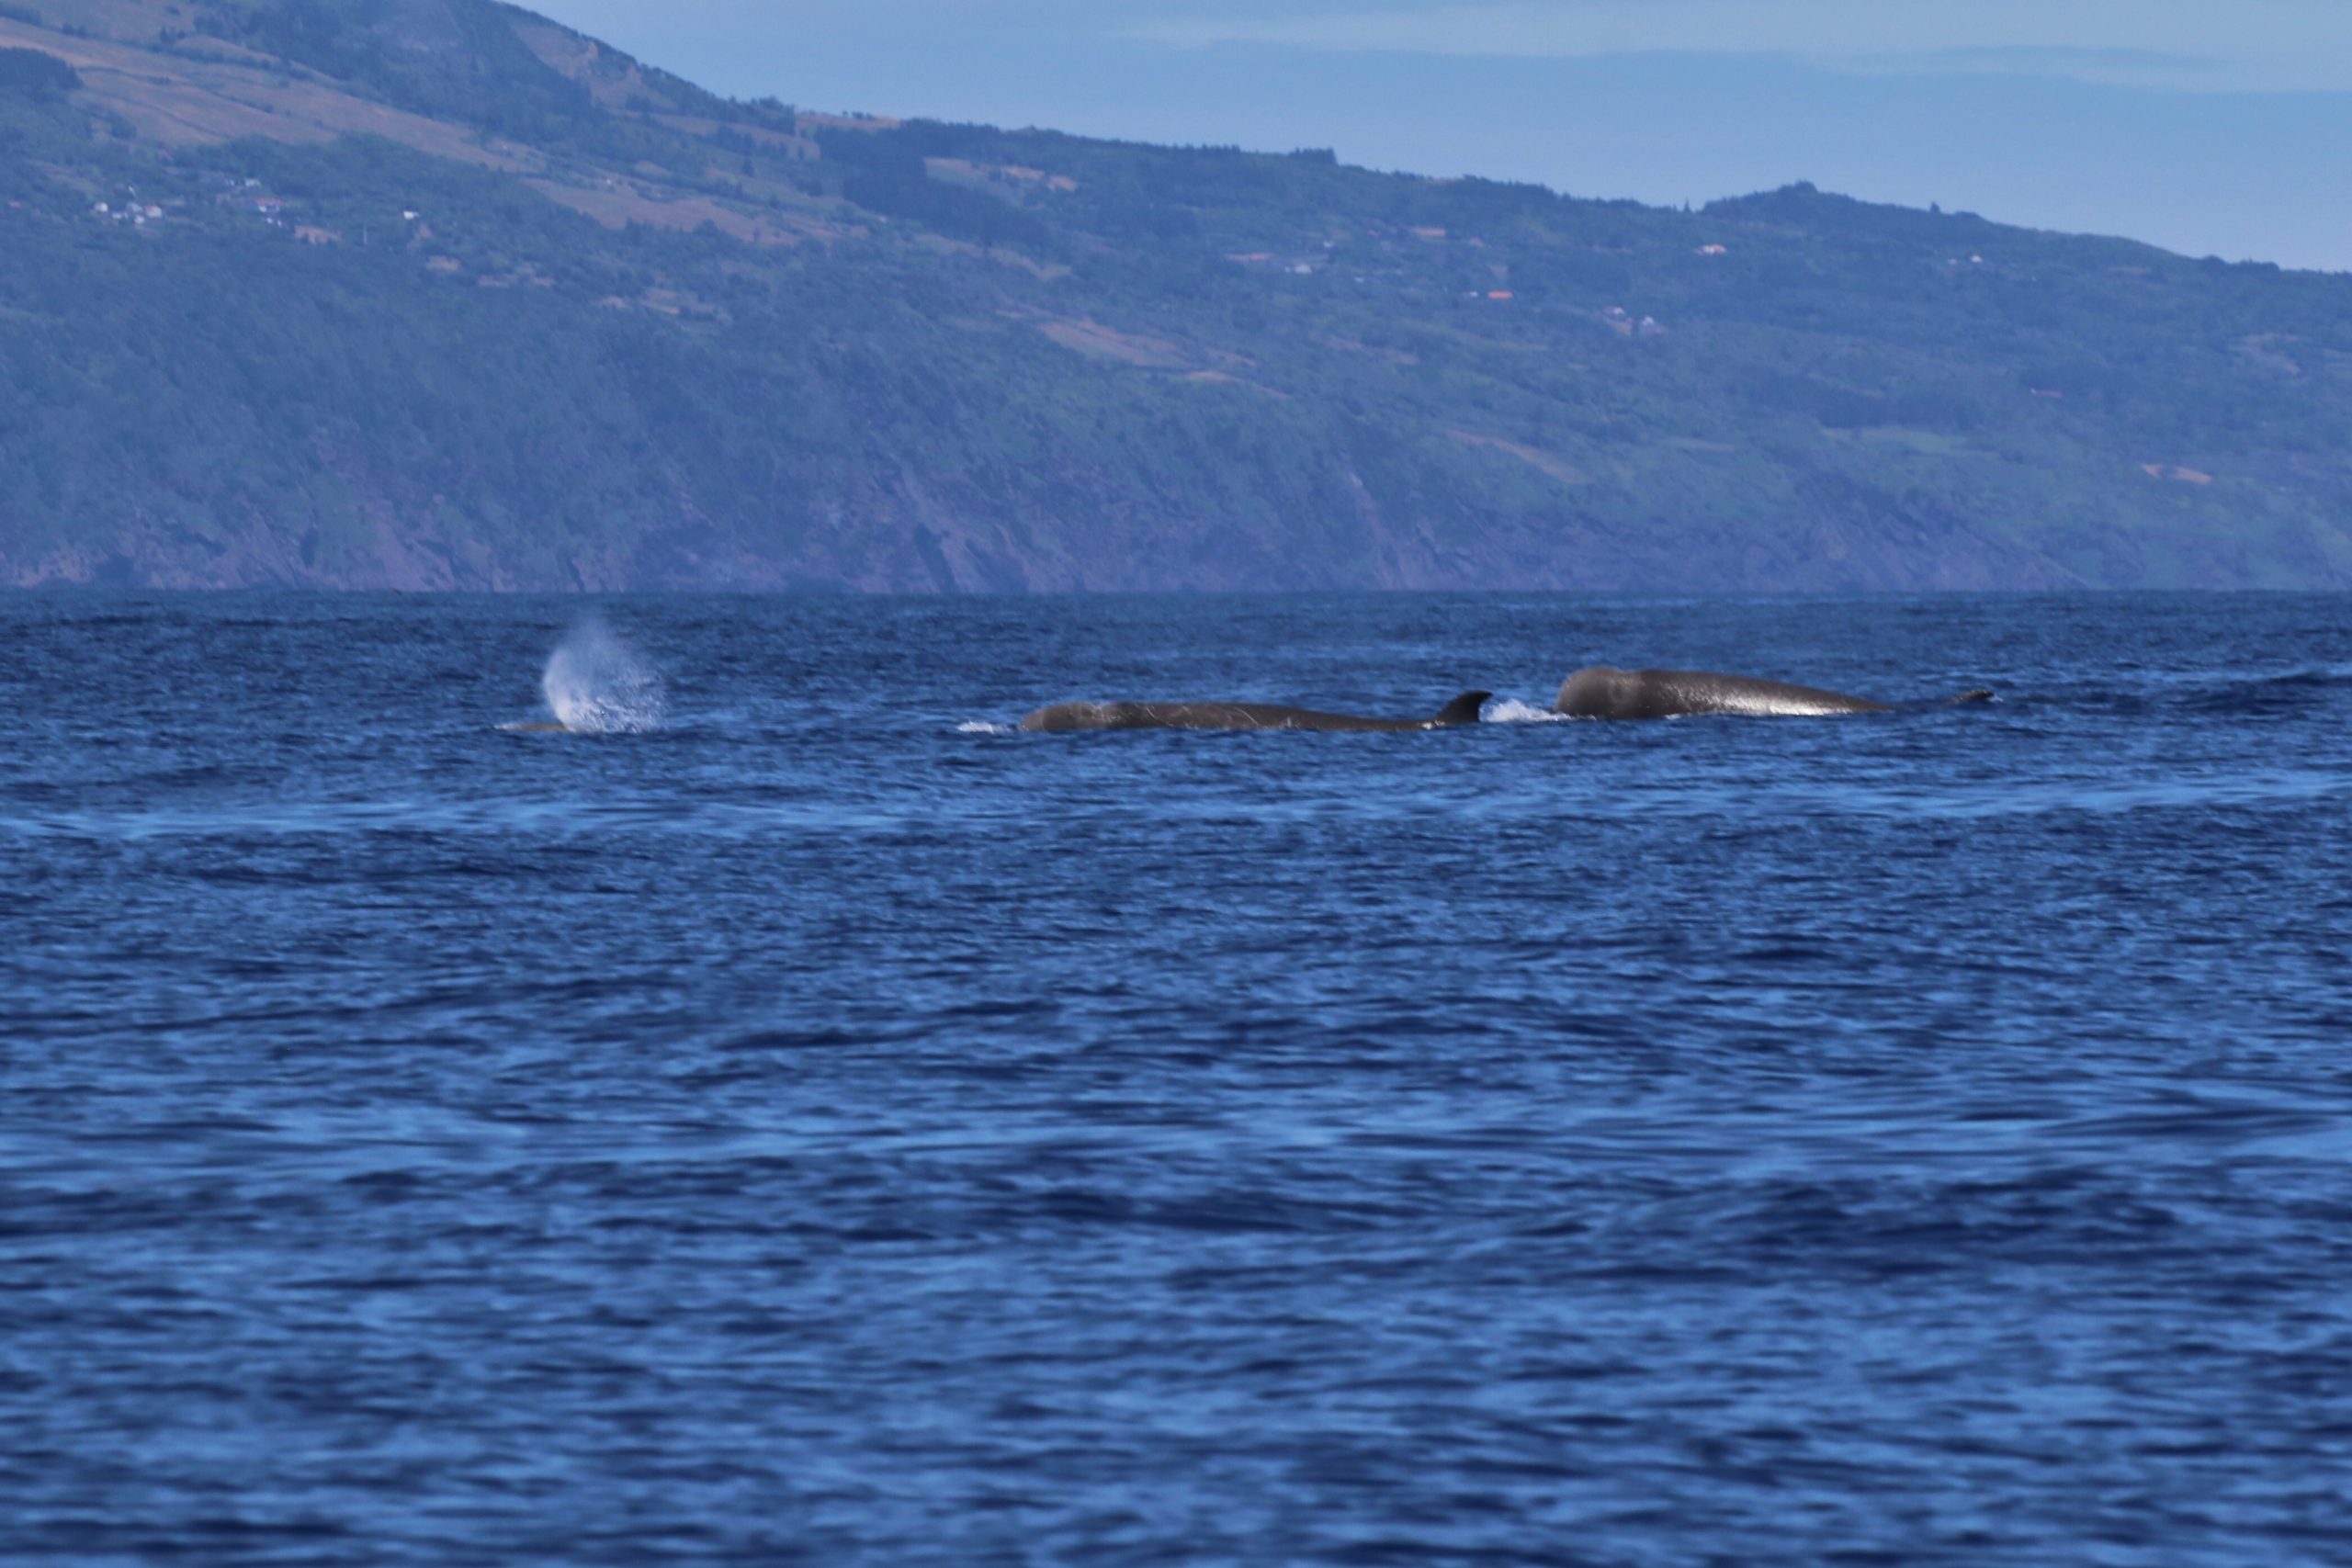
{"points": [[537, 726], [1602, 692], [1065, 717]]}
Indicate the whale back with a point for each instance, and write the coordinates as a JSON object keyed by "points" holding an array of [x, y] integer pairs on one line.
{"points": [[1603, 691], [1068, 716]]}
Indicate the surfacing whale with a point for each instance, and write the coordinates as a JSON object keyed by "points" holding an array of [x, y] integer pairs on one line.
{"points": [[1462, 709], [1601, 692]]}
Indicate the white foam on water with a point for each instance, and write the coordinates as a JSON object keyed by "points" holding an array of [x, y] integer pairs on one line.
{"points": [[597, 684], [1511, 710], [982, 727]]}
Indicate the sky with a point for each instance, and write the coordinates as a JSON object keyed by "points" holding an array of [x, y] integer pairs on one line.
{"points": [[2210, 129]]}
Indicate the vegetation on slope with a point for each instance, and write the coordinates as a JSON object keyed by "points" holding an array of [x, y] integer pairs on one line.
{"points": [[437, 293]]}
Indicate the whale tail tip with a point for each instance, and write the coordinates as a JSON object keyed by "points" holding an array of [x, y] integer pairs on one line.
{"points": [[1462, 709]]}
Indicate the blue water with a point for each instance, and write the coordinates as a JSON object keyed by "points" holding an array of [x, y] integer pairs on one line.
{"points": [[827, 1130]]}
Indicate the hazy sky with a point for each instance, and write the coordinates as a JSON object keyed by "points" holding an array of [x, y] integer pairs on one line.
{"points": [[2207, 126]]}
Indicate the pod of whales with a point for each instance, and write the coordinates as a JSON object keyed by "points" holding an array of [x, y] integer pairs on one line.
{"points": [[1602, 692], [1060, 716], [1598, 692]]}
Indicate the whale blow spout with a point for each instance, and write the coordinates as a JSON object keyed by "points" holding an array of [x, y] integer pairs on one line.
{"points": [[1065, 717], [596, 683]]}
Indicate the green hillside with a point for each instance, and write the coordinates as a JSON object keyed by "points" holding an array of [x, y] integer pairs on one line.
{"points": [[435, 293]]}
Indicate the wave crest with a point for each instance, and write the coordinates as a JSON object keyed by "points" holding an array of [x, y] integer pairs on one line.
{"points": [[1511, 710]]}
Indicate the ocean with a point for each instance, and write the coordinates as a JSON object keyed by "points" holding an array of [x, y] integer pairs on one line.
{"points": [[813, 1122]]}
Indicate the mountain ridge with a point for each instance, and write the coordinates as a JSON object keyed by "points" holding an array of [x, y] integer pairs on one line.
{"points": [[443, 294]]}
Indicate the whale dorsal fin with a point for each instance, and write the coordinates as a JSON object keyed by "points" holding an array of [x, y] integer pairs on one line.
{"points": [[1462, 709]]}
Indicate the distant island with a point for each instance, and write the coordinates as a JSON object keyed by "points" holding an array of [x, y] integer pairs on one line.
{"points": [[439, 294]]}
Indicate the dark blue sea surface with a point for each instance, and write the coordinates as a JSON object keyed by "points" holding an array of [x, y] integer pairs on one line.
{"points": [[828, 1128]]}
